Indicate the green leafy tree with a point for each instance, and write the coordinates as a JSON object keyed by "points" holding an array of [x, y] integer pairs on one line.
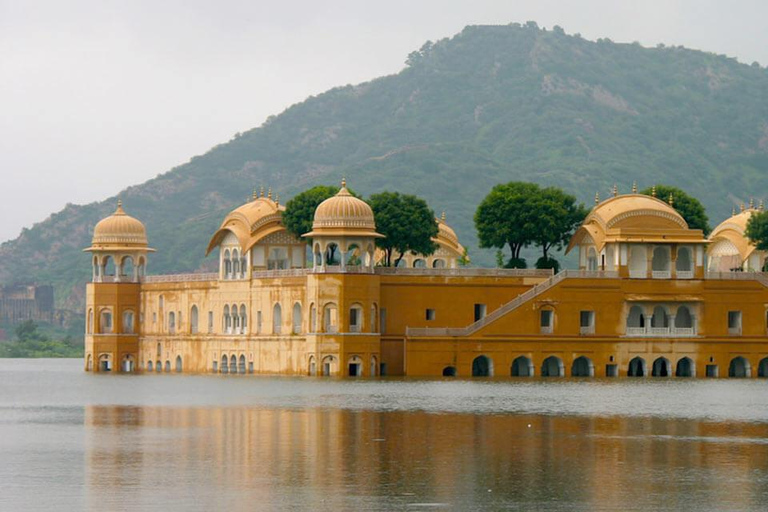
{"points": [[407, 222], [757, 230], [506, 217], [558, 215], [300, 210], [688, 206]]}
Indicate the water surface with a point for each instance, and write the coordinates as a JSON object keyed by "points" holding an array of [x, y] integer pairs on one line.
{"points": [[73, 440]]}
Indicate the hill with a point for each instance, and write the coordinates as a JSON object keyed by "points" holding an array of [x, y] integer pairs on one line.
{"points": [[491, 104]]}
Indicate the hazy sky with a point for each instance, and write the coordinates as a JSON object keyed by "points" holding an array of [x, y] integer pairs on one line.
{"points": [[96, 96]]}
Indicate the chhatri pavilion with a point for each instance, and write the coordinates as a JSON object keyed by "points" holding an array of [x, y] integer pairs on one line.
{"points": [[651, 297]]}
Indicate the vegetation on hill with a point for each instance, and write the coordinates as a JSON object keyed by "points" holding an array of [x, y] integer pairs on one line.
{"points": [[490, 105], [31, 341]]}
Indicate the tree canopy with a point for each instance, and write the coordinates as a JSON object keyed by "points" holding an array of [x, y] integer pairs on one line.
{"points": [[407, 222], [519, 214], [757, 230], [300, 210], [686, 205]]}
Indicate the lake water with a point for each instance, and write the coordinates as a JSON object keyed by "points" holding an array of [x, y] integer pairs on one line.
{"points": [[76, 441]]}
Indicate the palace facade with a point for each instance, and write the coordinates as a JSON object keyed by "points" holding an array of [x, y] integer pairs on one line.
{"points": [[651, 297]]}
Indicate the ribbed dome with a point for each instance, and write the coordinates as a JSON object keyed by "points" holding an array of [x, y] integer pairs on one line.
{"points": [[447, 231], [640, 208], [344, 211], [119, 230]]}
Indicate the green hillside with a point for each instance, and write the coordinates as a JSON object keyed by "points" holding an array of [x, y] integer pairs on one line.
{"points": [[491, 104]]}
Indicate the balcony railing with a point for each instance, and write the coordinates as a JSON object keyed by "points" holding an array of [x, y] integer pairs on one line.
{"points": [[546, 329], [587, 329], [638, 274], [684, 274], [660, 332], [661, 274], [734, 331]]}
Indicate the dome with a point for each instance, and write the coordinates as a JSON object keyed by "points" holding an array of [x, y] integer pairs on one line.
{"points": [[344, 214], [250, 222], [119, 231], [636, 210], [446, 232], [730, 235]]}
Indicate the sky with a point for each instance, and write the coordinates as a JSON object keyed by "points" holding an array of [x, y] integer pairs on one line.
{"points": [[99, 95]]}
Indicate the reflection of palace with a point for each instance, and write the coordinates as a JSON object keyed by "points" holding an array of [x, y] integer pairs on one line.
{"points": [[328, 458], [651, 297]]}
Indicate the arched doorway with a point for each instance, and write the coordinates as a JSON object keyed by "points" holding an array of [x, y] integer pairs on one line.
{"points": [[739, 368], [329, 366], [582, 367], [128, 364], [661, 367], [150, 366], [449, 371], [482, 366], [241, 365], [553, 367], [178, 364], [224, 364], [522, 367], [233, 364], [636, 367], [167, 366], [158, 366], [762, 368], [355, 365], [312, 366], [105, 363], [685, 368], [374, 366]]}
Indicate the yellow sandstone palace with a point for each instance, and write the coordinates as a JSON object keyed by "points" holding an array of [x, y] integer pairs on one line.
{"points": [[651, 298]]}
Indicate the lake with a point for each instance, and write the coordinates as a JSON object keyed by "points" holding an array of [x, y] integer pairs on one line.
{"points": [[71, 440]]}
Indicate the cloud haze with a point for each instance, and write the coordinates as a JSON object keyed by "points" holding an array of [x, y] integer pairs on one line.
{"points": [[97, 96]]}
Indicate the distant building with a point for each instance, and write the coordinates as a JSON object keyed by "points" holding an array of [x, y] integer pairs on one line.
{"points": [[650, 298], [19, 303]]}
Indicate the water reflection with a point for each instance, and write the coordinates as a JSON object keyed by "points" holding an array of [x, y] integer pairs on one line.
{"points": [[256, 458]]}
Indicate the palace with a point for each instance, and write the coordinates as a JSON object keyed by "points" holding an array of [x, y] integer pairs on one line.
{"points": [[651, 297]]}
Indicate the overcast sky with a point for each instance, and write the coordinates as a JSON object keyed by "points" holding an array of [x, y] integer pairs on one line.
{"points": [[99, 95]]}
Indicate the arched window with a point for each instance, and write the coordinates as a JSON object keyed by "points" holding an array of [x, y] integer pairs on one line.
{"points": [[684, 261], [482, 366], [108, 269], [172, 322], [167, 366], [317, 256], [419, 263], [127, 271], [636, 367], [739, 368], [660, 262], [354, 255], [105, 322], [661, 367], [296, 318], [150, 367], [142, 268], [224, 364], [227, 320], [312, 366], [312, 318], [522, 367], [278, 259], [329, 366], [332, 254], [685, 368], [592, 259], [355, 366], [243, 267], [660, 319], [638, 262], [227, 265], [128, 322], [241, 365], [636, 318], [374, 366], [235, 264], [193, 320], [90, 322], [582, 367], [235, 319], [356, 318], [178, 364], [233, 364], [683, 319], [330, 318], [158, 366], [438, 263], [277, 319], [552, 367], [243, 319]]}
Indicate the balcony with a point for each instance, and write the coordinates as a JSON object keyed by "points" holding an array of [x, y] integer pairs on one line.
{"points": [[660, 332]]}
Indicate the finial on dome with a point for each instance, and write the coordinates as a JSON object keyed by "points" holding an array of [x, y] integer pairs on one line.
{"points": [[269, 194], [671, 200], [261, 192], [277, 199], [119, 210], [751, 203], [442, 216], [653, 191], [733, 211], [597, 197], [741, 207], [634, 187], [343, 182], [762, 206], [615, 190], [255, 195]]}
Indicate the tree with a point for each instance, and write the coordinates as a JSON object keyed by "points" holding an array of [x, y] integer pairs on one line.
{"points": [[506, 217], [757, 230], [557, 217], [407, 223], [687, 206], [300, 210]]}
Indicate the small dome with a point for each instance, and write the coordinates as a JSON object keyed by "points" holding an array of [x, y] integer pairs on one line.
{"points": [[636, 210], [119, 230], [344, 214], [446, 231]]}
